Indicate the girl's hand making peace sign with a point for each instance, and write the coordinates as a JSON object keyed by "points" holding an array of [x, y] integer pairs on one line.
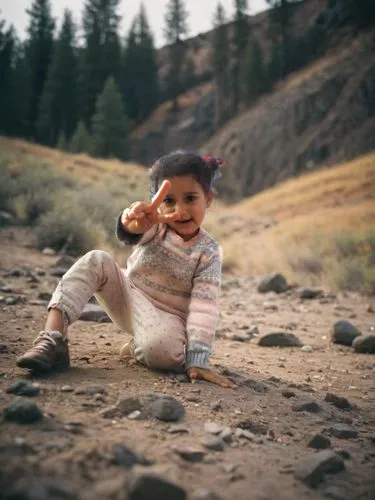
{"points": [[141, 216]]}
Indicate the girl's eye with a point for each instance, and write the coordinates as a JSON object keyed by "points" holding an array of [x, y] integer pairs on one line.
{"points": [[168, 201], [190, 199]]}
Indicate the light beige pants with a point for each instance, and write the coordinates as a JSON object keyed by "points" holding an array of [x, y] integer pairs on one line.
{"points": [[159, 337]]}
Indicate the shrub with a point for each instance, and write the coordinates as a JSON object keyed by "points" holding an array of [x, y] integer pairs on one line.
{"points": [[66, 227]]}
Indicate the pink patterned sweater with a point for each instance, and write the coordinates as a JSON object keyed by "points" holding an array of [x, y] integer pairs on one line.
{"points": [[181, 277]]}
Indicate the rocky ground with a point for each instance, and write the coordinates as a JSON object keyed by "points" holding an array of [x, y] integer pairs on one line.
{"points": [[301, 424]]}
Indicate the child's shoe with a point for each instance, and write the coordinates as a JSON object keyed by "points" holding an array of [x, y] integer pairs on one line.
{"points": [[49, 352]]}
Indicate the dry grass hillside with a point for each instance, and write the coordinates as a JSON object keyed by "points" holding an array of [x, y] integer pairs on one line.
{"points": [[316, 229]]}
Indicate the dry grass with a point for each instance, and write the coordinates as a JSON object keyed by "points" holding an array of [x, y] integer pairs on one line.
{"points": [[298, 226], [317, 229], [83, 168]]}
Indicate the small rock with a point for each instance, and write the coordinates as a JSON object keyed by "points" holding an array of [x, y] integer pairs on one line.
{"points": [[311, 469], [213, 427], [24, 388], [67, 388], [342, 431], [215, 444], [343, 332], [279, 339], [239, 337], [94, 313], [48, 251], [273, 282], [308, 406], [319, 442], [307, 348], [338, 401], [167, 408], [153, 487], [365, 344], [241, 433], [45, 296], [188, 453], [226, 435], [288, 393], [177, 429], [134, 415], [23, 411], [127, 458], [310, 293]]}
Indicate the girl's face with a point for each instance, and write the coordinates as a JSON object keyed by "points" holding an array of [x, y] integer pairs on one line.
{"points": [[186, 197]]}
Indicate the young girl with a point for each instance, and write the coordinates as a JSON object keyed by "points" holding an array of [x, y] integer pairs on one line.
{"points": [[167, 298]]}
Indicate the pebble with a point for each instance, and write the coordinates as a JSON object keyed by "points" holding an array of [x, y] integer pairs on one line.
{"points": [[67, 388], [307, 348], [24, 388], [216, 444], [213, 427], [188, 453], [167, 408]]}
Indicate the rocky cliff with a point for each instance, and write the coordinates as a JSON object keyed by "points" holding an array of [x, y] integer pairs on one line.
{"points": [[316, 119]]}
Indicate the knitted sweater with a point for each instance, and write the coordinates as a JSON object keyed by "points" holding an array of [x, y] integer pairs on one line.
{"points": [[181, 277]]}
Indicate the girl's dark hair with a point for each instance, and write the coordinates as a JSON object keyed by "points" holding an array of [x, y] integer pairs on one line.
{"points": [[204, 169]]}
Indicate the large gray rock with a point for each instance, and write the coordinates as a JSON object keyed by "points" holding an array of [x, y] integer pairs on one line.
{"points": [[364, 344], [343, 332]]}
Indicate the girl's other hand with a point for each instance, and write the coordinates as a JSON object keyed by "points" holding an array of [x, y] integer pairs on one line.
{"points": [[141, 216], [210, 376]]}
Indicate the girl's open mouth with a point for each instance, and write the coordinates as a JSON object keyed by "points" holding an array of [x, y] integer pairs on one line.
{"points": [[184, 221]]}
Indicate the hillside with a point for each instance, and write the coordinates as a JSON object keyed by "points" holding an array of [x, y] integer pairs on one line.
{"points": [[194, 122], [317, 228], [318, 117]]}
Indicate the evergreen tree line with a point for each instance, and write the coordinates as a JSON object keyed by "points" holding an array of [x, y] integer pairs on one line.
{"points": [[87, 96]]}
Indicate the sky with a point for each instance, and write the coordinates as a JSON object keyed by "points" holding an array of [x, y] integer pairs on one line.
{"points": [[199, 21]]}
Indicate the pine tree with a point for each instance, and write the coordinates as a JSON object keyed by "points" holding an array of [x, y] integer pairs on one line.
{"points": [[175, 30], [39, 47], [81, 140], [220, 63], [62, 143], [140, 84], [253, 75], [58, 103], [110, 124], [240, 39], [101, 52], [7, 53], [280, 17]]}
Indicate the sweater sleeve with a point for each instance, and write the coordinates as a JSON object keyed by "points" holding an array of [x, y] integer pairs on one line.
{"points": [[203, 315]]}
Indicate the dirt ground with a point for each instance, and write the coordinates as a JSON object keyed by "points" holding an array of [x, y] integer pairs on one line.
{"points": [[70, 453]]}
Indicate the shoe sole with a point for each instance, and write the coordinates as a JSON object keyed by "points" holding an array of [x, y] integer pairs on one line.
{"points": [[40, 367]]}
